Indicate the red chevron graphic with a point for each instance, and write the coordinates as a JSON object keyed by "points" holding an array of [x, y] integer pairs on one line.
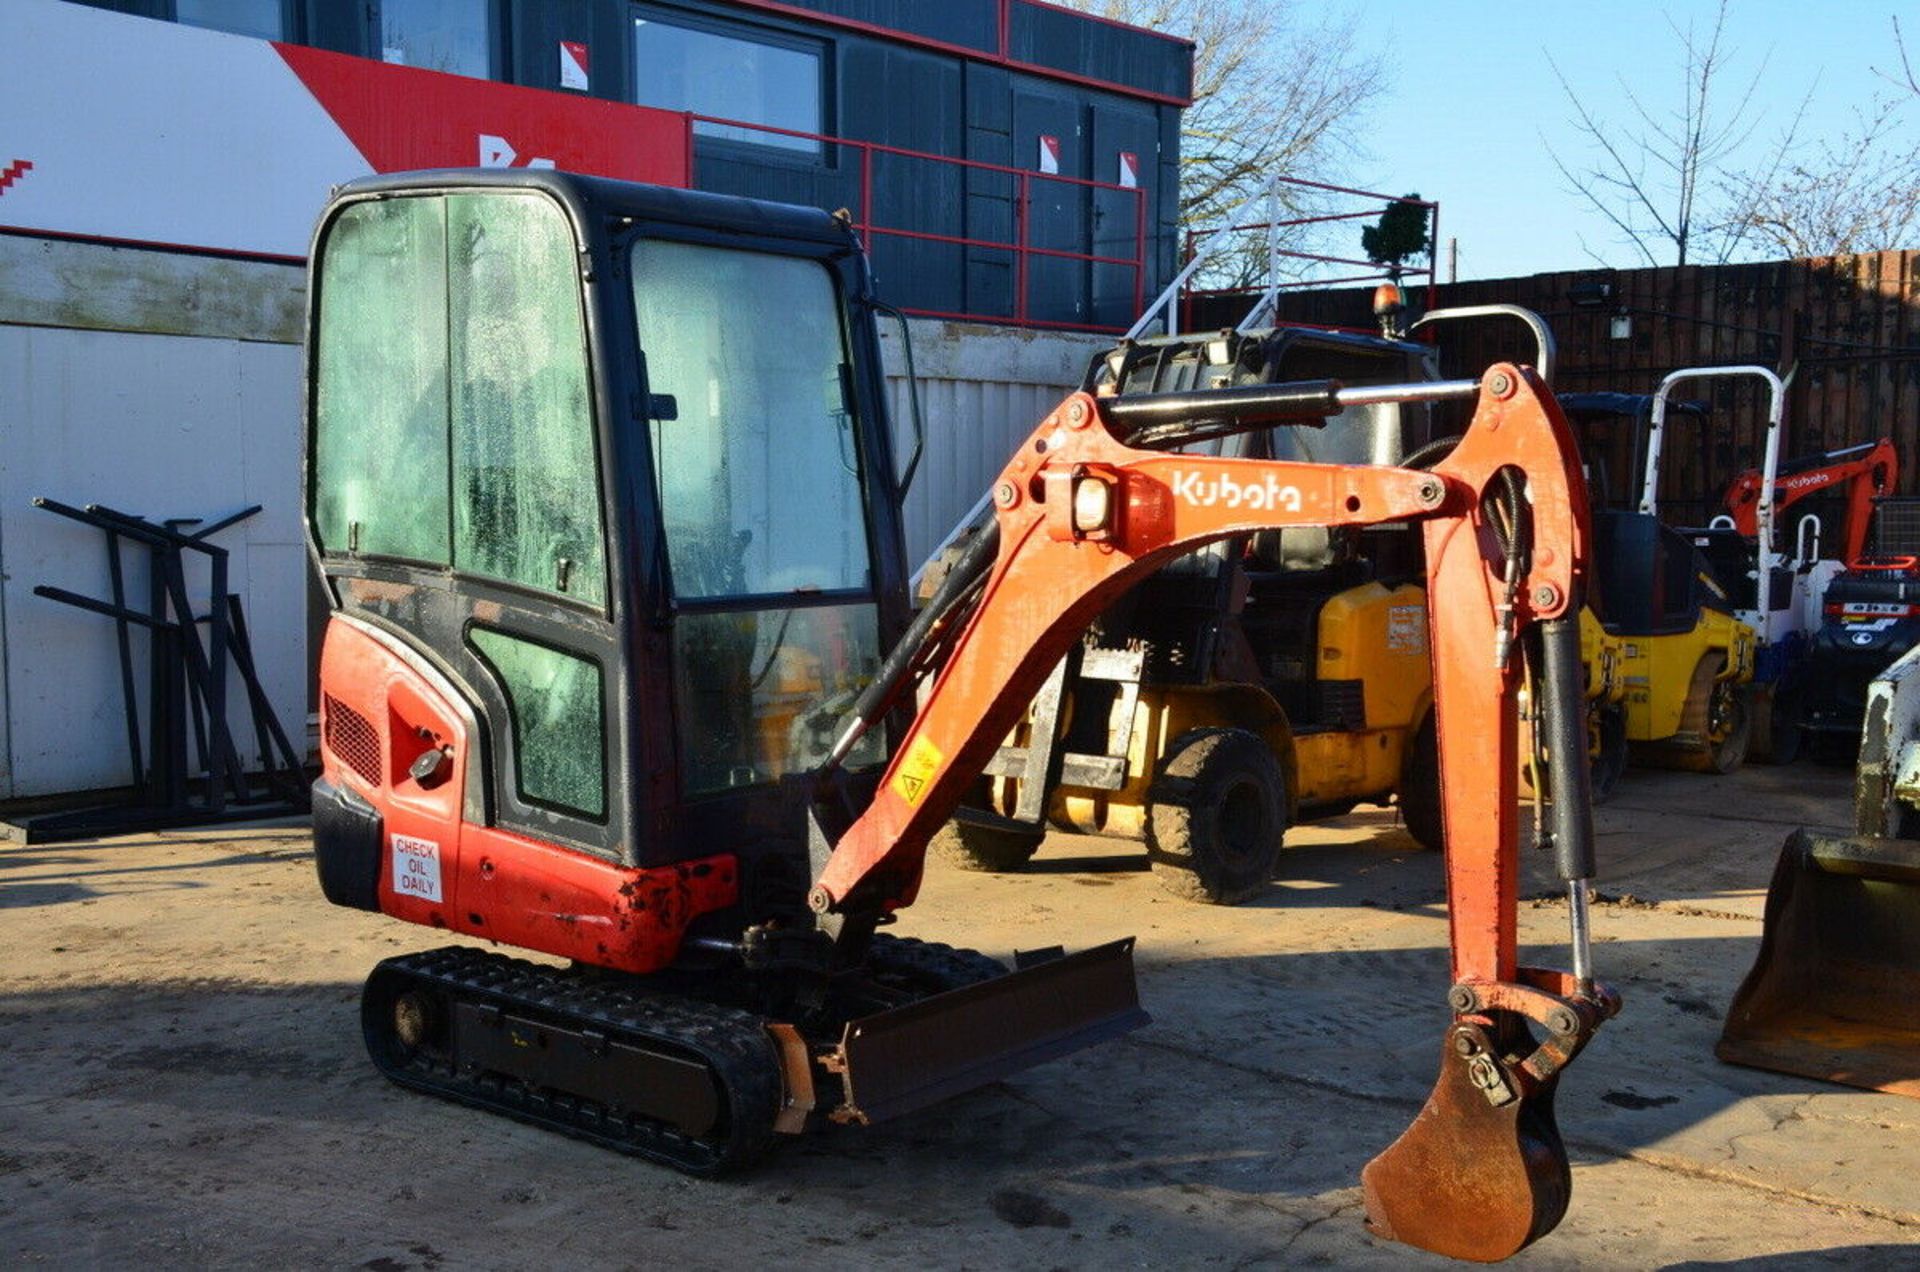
{"points": [[13, 172]]}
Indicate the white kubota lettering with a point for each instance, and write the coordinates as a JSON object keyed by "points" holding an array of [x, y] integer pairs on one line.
{"points": [[1266, 494]]}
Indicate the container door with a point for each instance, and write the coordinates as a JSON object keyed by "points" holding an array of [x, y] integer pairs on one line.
{"points": [[1125, 148], [1048, 133]]}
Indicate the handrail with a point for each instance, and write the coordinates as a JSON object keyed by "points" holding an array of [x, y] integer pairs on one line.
{"points": [[1203, 245], [1766, 554], [1545, 349], [867, 219]]}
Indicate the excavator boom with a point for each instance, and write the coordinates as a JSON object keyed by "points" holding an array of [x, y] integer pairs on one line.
{"points": [[1082, 512]]}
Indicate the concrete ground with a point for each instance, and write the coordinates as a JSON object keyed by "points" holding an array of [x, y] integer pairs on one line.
{"points": [[183, 1082]]}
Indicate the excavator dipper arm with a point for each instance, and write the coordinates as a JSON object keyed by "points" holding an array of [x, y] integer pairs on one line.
{"points": [[1081, 516]]}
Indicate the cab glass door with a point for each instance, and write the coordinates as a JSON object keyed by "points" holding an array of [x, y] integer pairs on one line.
{"points": [[759, 468]]}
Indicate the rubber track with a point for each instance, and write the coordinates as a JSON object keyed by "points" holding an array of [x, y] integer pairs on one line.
{"points": [[934, 965], [733, 1044]]}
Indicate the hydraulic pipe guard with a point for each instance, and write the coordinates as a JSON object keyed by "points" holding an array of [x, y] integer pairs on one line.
{"points": [[1081, 516]]}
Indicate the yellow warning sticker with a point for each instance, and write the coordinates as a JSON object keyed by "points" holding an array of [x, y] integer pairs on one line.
{"points": [[916, 770]]}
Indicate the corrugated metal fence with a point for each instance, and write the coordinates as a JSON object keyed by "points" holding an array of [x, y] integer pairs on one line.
{"points": [[982, 392]]}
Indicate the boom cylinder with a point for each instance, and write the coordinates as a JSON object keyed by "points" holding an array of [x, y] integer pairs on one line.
{"points": [[1244, 406], [1161, 421]]}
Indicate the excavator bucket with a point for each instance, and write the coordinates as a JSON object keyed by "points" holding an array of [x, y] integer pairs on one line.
{"points": [[1482, 1172], [900, 1060], [1835, 993]]}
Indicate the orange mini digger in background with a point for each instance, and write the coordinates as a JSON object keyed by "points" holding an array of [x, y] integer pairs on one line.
{"points": [[602, 489]]}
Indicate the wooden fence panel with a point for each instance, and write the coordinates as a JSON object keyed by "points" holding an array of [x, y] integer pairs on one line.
{"points": [[1846, 326]]}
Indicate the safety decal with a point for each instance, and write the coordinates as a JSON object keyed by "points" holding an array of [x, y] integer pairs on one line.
{"points": [[1407, 629], [573, 65], [916, 770], [416, 868]]}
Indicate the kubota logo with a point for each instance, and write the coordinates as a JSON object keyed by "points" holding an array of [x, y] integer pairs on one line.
{"points": [[497, 152], [1264, 495]]}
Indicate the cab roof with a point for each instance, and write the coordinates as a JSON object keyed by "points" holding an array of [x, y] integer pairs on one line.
{"points": [[596, 198]]}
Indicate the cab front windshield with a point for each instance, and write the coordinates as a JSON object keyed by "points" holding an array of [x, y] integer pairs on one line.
{"points": [[758, 469]]}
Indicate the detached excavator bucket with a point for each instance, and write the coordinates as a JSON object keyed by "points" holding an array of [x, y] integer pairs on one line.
{"points": [[1835, 993], [912, 1056]]}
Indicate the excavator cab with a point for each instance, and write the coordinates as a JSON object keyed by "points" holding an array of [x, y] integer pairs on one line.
{"points": [[612, 465]]}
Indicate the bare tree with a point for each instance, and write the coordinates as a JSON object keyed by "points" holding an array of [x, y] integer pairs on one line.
{"points": [[1905, 79], [1860, 193], [1653, 175], [1857, 193], [1272, 95]]}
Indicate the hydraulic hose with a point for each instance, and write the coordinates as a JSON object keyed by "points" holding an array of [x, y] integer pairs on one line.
{"points": [[1514, 533], [975, 560]]}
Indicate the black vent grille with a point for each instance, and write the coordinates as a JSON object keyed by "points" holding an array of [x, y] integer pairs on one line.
{"points": [[353, 740]]}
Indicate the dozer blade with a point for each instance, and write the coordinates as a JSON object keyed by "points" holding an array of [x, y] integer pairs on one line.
{"points": [[1482, 1172], [1835, 993], [900, 1060]]}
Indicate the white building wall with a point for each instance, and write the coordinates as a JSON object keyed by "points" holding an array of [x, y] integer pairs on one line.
{"points": [[160, 426]]}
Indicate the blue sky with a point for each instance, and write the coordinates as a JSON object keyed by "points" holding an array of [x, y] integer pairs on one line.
{"points": [[1473, 107]]}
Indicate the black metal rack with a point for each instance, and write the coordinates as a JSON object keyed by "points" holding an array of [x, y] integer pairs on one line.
{"points": [[188, 676]]}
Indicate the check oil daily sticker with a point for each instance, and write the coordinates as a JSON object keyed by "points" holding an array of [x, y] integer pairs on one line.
{"points": [[416, 867]]}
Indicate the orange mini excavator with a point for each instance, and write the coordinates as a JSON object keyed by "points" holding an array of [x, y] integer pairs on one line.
{"points": [[602, 489], [1869, 470]]}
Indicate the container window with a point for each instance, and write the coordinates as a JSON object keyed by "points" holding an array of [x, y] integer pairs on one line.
{"points": [[559, 722], [438, 35], [733, 73], [263, 19]]}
